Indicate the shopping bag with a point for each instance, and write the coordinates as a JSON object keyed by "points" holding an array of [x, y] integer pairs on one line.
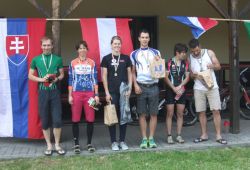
{"points": [[207, 78], [110, 116], [157, 68]]}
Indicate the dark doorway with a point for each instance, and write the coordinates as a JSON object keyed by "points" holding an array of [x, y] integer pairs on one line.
{"points": [[139, 23]]}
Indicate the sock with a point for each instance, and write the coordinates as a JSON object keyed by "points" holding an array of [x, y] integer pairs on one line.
{"points": [[75, 129], [90, 129]]}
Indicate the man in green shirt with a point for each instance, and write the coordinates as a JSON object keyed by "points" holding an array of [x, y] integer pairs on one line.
{"points": [[50, 70]]}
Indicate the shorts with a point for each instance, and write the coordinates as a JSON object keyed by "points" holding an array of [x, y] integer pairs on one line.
{"points": [[80, 100], [148, 100], [201, 97], [170, 97], [50, 108]]}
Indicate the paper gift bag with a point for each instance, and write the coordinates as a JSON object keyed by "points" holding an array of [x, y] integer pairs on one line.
{"points": [[207, 78], [110, 116], [157, 68]]}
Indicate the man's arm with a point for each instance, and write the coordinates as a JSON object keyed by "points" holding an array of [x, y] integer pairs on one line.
{"points": [[215, 62], [35, 78], [136, 86], [61, 74]]}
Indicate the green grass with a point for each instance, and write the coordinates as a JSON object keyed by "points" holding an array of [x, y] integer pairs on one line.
{"points": [[214, 159]]}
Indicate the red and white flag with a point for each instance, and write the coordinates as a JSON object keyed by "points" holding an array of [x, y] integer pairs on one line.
{"points": [[98, 33]]}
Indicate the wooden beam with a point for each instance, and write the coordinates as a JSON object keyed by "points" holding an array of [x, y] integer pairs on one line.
{"points": [[56, 31], [72, 8], [234, 67], [245, 11], [218, 8], [40, 8]]}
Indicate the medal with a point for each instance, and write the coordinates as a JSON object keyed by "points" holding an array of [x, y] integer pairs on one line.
{"points": [[116, 64], [200, 63], [113, 60]]}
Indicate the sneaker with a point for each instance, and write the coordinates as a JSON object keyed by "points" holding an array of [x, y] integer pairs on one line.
{"points": [[115, 146], [179, 139], [170, 140], [77, 149], [90, 148], [144, 143], [152, 143], [123, 146]]}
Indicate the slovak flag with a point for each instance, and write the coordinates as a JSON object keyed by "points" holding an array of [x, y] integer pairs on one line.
{"points": [[198, 25], [98, 33], [19, 43]]}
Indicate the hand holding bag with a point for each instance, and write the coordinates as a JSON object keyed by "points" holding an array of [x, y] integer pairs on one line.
{"points": [[110, 116], [157, 68], [207, 78]]}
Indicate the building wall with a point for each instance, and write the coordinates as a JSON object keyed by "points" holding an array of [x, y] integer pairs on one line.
{"points": [[169, 32]]}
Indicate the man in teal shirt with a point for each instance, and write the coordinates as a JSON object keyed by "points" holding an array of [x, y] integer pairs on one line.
{"points": [[50, 70]]}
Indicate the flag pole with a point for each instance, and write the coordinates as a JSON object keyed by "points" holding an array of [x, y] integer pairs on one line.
{"points": [[62, 19], [70, 19], [231, 20], [77, 19]]}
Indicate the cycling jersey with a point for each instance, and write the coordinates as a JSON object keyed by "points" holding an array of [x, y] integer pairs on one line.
{"points": [[177, 73], [82, 75]]}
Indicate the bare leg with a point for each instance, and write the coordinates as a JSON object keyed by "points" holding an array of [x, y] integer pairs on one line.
{"points": [[57, 135], [46, 134], [170, 112], [143, 125], [180, 110], [203, 123], [152, 125], [217, 123]]}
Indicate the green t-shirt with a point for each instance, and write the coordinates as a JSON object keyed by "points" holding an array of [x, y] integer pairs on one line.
{"points": [[46, 64]]}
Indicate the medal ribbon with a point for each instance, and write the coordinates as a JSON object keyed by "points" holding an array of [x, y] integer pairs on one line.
{"points": [[116, 64], [47, 68]]}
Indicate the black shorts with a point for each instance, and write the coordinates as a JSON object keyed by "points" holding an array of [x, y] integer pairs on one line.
{"points": [[170, 95], [50, 108]]}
